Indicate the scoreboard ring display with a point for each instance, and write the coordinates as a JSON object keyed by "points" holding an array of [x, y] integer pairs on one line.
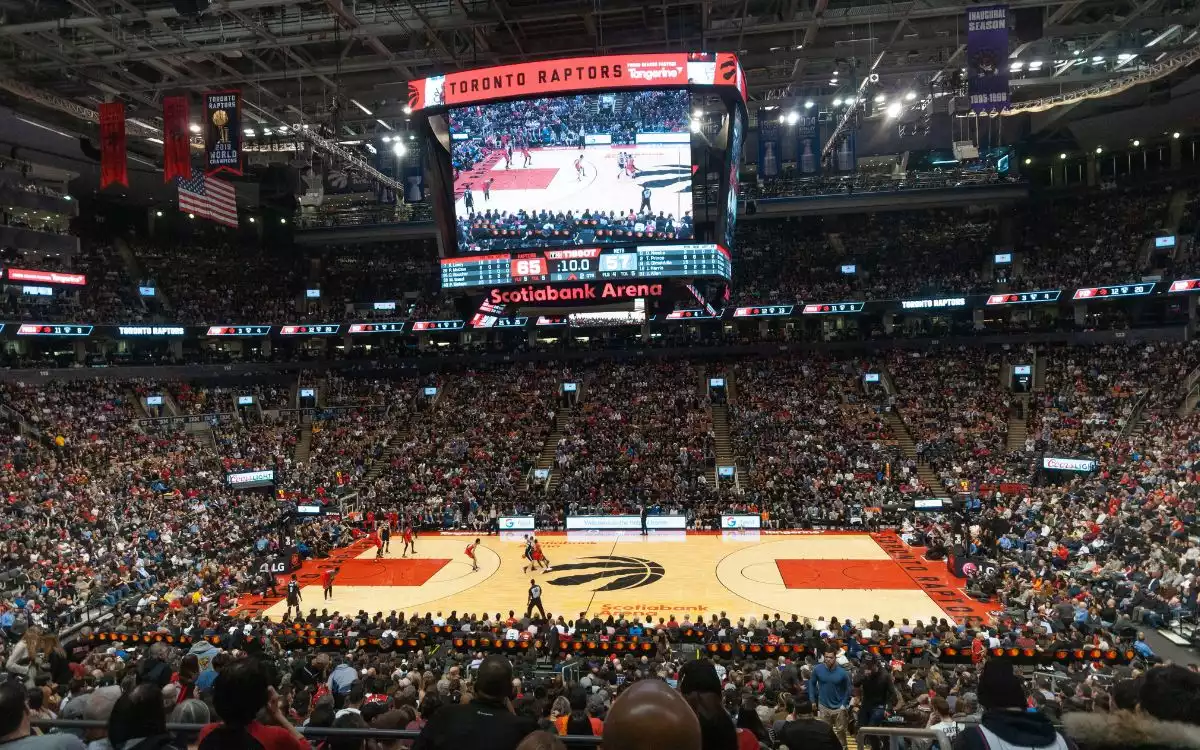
{"points": [[583, 264]]}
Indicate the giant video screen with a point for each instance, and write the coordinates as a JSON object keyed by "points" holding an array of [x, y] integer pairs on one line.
{"points": [[586, 170]]}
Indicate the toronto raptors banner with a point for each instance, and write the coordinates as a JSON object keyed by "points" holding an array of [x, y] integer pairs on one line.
{"points": [[112, 145], [987, 57], [223, 131], [176, 145]]}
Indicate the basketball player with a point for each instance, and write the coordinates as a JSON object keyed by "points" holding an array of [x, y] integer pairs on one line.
{"points": [[630, 168], [487, 190], [327, 581], [525, 153], [539, 556], [409, 541], [471, 554], [468, 199], [579, 169], [535, 600], [645, 207], [508, 153], [378, 542], [385, 535], [293, 597], [620, 164], [528, 555]]}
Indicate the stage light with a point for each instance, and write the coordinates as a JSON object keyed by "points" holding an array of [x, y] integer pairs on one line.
{"points": [[158, 214], [808, 104], [398, 148], [1062, 156], [407, 110], [282, 220], [1099, 149], [879, 98], [251, 219], [894, 109], [695, 125], [1028, 161], [1173, 135], [910, 96], [793, 117], [850, 101], [194, 128], [191, 216], [837, 102], [1136, 143]]}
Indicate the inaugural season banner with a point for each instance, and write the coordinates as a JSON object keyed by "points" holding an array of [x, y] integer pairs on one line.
{"points": [[112, 145], [177, 158], [223, 131], [987, 57], [769, 151], [808, 145]]}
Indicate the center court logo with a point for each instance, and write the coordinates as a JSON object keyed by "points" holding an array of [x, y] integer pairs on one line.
{"points": [[621, 573]]}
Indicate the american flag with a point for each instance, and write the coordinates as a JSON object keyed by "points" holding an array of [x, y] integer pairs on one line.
{"points": [[209, 198]]}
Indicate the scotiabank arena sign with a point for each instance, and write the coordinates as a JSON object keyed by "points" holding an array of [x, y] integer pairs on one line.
{"points": [[574, 293]]}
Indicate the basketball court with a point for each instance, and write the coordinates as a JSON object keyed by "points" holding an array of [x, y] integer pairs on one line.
{"points": [[744, 574], [550, 182]]}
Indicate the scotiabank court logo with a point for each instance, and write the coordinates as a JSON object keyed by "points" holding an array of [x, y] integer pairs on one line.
{"points": [[576, 293]]}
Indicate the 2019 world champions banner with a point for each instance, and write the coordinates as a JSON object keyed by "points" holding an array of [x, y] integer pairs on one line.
{"points": [[769, 151], [987, 58], [223, 131], [808, 145]]}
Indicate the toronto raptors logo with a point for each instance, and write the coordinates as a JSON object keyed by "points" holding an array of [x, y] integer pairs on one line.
{"points": [[414, 96], [617, 572]]}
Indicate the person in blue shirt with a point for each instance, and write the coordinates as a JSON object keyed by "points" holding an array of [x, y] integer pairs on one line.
{"points": [[829, 691]]}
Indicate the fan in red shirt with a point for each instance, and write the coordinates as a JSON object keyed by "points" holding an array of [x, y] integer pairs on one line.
{"points": [[241, 690]]}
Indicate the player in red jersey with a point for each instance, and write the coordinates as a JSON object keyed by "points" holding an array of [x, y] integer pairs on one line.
{"points": [[409, 540], [471, 554], [525, 153], [374, 539], [630, 168], [539, 556], [579, 169]]}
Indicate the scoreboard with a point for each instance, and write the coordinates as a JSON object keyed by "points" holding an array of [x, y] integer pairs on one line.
{"points": [[694, 260]]}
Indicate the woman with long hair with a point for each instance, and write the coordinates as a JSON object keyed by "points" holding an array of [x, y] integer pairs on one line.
{"points": [[138, 720]]}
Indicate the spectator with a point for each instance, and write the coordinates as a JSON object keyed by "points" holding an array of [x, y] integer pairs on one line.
{"points": [[241, 690], [487, 722], [651, 716], [1167, 716], [15, 731], [829, 686], [1006, 721], [138, 721]]}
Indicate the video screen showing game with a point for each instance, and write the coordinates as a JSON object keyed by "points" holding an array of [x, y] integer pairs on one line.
{"points": [[591, 169]]}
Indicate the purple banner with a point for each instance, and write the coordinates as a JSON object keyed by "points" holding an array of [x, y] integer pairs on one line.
{"points": [[987, 58]]}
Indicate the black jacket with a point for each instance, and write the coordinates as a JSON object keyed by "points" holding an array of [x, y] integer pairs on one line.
{"points": [[808, 734], [1021, 728], [1122, 729], [479, 725]]}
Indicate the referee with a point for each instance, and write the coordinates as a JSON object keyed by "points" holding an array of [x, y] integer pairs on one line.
{"points": [[535, 600]]}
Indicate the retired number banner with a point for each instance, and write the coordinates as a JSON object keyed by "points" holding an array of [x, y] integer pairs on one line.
{"points": [[112, 145], [177, 157], [987, 58], [223, 131]]}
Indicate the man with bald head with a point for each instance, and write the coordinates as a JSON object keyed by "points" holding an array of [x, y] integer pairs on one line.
{"points": [[650, 715]]}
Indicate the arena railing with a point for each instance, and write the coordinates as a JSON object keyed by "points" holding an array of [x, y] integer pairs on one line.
{"points": [[58, 725], [896, 736]]}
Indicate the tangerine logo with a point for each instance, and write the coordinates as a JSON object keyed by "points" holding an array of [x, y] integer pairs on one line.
{"points": [[620, 573], [653, 73]]}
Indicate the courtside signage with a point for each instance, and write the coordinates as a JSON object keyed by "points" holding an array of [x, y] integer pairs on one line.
{"points": [[741, 522], [515, 523], [623, 523], [1068, 464]]}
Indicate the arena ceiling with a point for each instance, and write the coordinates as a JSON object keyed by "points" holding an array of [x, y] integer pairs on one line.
{"points": [[348, 61]]}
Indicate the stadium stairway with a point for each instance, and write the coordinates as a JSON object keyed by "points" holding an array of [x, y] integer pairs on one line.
{"points": [[1039, 372], [1018, 427], [908, 446], [390, 448], [304, 441], [138, 405], [720, 422], [545, 459], [202, 433]]}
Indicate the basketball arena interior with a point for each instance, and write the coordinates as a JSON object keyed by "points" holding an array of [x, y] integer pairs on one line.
{"points": [[696, 375]]}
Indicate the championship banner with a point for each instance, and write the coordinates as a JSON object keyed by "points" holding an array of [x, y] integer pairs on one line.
{"points": [[223, 131], [768, 144], [987, 58], [177, 157], [845, 157], [112, 145], [808, 146]]}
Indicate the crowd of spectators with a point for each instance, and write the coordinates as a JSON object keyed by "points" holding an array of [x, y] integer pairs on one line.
{"points": [[818, 449], [512, 230]]}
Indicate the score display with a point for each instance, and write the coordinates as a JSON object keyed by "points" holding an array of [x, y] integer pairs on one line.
{"points": [[587, 264]]}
